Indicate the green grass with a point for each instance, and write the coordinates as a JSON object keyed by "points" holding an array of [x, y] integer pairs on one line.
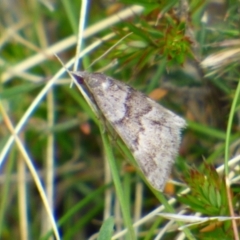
{"points": [[53, 146]]}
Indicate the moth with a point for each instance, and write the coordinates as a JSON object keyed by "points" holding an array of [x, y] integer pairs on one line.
{"points": [[150, 131]]}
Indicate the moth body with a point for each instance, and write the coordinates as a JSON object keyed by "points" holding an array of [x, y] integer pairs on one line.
{"points": [[150, 131]]}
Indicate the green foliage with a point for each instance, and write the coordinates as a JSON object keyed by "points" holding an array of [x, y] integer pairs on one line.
{"points": [[59, 131], [106, 230], [153, 42], [208, 192], [208, 196]]}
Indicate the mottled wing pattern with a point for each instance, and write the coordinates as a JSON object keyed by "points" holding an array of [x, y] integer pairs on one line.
{"points": [[150, 131]]}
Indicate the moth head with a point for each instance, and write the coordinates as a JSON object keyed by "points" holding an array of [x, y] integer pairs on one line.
{"points": [[92, 80], [79, 76]]}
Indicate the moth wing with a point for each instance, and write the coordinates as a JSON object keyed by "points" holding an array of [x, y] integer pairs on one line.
{"points": [[159, 144], [149, 130]]}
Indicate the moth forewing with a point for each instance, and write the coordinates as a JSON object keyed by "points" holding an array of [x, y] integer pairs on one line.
{"points": [[150, 131]]}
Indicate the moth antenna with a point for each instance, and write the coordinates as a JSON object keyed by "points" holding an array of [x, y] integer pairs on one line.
{"points": [[59, 59]]}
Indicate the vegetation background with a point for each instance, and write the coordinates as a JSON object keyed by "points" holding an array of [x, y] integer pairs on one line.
{"points": [[54, 160]]}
